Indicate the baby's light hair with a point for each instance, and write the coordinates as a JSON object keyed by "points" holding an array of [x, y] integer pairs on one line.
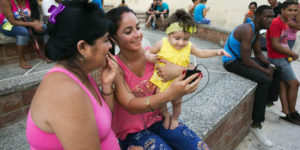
{"points": [[184, 18]]}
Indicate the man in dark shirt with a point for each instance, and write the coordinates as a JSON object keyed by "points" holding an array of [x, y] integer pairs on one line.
{"points": [[275, 6]]}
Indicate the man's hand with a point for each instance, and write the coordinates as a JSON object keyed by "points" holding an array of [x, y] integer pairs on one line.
{"points": [[270, 72], [38, 26], [295, 56]]}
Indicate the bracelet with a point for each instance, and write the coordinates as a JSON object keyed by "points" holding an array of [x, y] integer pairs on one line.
{"points": [[148, 103], [111, 92]]}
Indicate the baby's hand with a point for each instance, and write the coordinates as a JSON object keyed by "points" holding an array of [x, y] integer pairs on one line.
{"points": [[222, 52], [152, 57]]}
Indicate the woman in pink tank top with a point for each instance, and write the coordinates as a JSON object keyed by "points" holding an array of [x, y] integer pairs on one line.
{"points": [[136, 120], [67, 110]]}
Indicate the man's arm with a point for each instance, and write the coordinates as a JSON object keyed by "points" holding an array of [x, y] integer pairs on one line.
{"points": [[246, 51], [257, 51], [277, 46]]}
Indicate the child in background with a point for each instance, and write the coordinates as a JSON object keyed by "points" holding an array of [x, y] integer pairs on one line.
{"points": [[250, 15], [176, 48]]}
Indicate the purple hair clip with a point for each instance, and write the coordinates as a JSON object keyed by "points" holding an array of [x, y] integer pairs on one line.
{"points": [[55, 11]]}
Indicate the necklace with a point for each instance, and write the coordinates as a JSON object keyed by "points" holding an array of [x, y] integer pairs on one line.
{"points": [[133, 69]]}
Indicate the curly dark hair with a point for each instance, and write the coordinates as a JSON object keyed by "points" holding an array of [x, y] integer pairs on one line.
{"points": [[184, 18]]}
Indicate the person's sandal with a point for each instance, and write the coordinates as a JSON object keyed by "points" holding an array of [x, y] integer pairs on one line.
{"points": [[296, 115], [25, 66], [291, 119]]}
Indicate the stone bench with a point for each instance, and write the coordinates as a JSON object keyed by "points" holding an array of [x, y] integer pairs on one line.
{"points": [[212, 34]]}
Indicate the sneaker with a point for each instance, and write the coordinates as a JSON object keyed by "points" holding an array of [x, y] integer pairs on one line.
{"points": [[258, 132], [291, 118], [296, 115], [275, 111]]}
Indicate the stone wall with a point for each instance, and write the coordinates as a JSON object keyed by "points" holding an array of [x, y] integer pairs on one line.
{"points": [[234, 128], [15, 106], [212, 34], [9, 53]]}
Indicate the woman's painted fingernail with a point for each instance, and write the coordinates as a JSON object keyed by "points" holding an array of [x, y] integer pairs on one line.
{"points": [[200, 74], [184, 71]]}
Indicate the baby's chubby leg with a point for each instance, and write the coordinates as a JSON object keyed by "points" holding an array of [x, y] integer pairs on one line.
{"points": [[165, 113], [176, 105]]}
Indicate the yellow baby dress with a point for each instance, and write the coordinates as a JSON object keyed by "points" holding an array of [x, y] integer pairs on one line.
{"points": [[168, 52]]}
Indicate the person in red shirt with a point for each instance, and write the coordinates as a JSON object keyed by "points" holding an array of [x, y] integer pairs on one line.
{"points": [[279, 53]]}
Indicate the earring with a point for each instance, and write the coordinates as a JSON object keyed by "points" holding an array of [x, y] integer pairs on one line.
{"points": [[83, 58]]}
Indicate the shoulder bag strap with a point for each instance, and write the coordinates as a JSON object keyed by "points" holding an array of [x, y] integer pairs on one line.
{"points": [[230, 47]]}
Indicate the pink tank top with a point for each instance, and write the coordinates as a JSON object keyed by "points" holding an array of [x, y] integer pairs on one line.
{"points": [[124, 122], [41, 140], [15, 12]]}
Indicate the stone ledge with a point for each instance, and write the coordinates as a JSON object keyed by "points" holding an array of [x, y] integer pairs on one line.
{"points": [[217, 114], [6, 40], [212, 34], [214, 28], [20, 83]]}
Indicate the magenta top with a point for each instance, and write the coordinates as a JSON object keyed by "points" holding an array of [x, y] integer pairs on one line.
{"points": [[124, 122], [15, 12], [41, 140]]}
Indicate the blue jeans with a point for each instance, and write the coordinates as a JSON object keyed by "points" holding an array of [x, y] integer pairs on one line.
{"points": [[22, 34], [203, 21], [157, 137]]}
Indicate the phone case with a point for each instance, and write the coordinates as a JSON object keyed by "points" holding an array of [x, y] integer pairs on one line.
{"points": [[190, 72]]}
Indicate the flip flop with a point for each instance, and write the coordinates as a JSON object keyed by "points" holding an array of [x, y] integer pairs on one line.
{"points": [[25, 66]]}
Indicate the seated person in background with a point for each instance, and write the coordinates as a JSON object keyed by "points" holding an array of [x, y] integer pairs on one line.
{"points": [[123, 4], [250, 15], [11, 24], [162, 11], [239, 44], [200, 13], [280, 54], [150, 13], [192, 6]]}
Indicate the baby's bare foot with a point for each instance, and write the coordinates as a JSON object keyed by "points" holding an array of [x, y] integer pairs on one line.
{"points": [[166, 122], [173, 124]]}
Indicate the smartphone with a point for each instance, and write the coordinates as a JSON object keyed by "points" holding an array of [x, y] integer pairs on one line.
{"points": [[190, 72]]}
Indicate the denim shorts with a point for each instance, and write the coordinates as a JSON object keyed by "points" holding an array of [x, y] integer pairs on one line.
{"points": [[287, 72], [22, 34], [157, 137]]}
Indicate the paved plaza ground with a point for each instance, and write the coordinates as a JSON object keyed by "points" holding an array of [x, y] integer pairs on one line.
{"points": [[285, 136]]}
